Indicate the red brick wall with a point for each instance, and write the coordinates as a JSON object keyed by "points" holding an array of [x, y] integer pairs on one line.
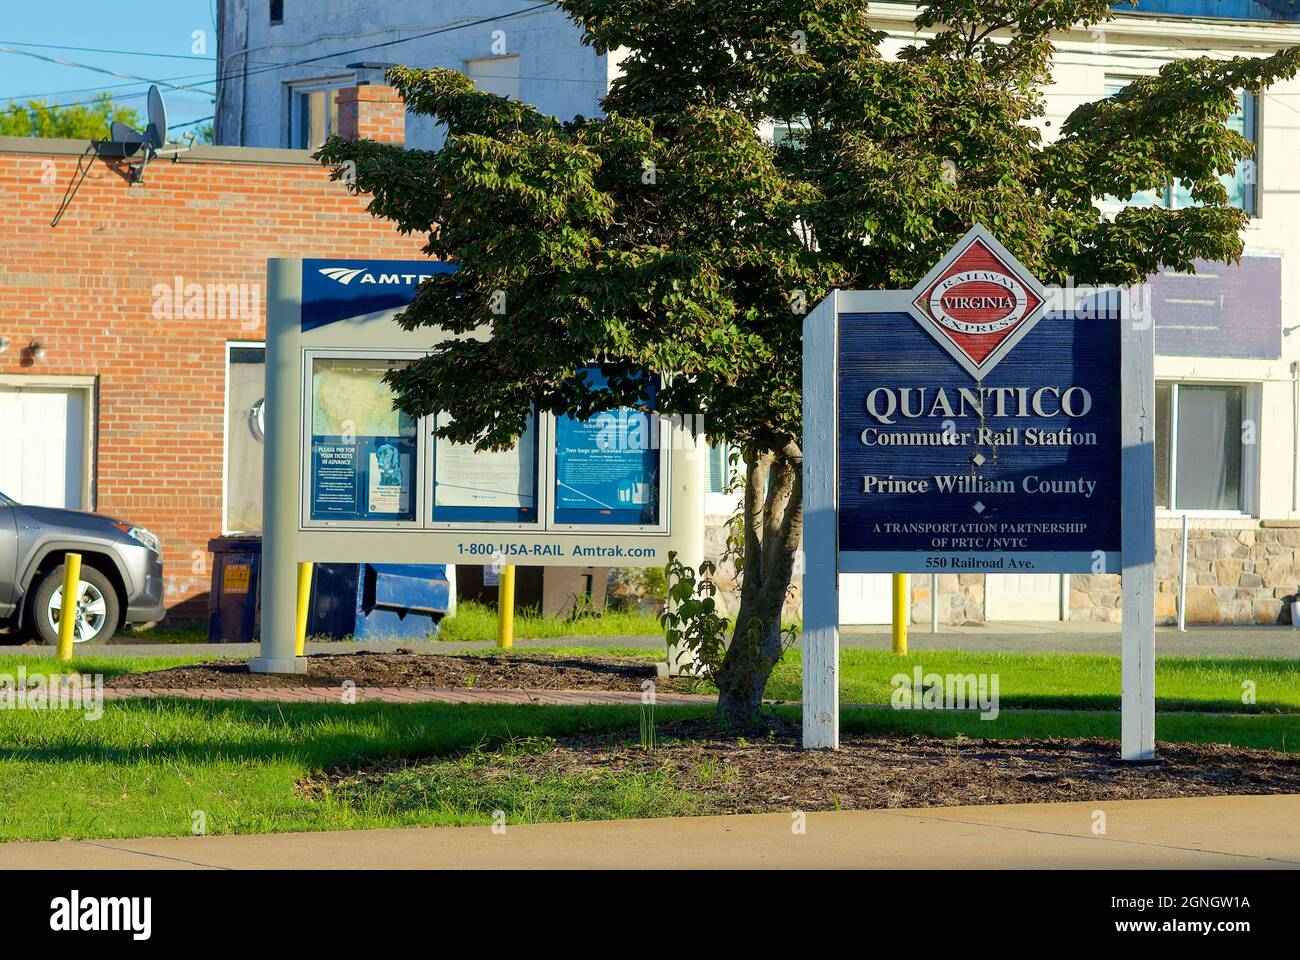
{"points": [[86, 290], [372, 113]]}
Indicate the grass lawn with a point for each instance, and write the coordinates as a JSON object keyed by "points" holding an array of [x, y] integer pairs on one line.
{"points": [[1065, 681], [472, 622], [1068, 681], [89, 664], [476, 622], [146, 767]]}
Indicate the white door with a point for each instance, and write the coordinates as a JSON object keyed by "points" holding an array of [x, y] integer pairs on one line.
{"points": [[1022, 596], [866, 598], [42, 432]]}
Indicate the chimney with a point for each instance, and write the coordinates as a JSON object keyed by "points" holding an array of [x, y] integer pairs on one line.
{"points": [[372, 113]]}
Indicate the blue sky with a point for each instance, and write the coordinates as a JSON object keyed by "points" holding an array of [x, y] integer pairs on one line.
{"points": [[148, 26]]}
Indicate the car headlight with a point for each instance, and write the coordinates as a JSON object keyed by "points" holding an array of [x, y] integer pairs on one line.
{"points": [[141, 536]]}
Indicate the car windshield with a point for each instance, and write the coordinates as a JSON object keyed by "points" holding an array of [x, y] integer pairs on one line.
{"points": [[6, 501]]}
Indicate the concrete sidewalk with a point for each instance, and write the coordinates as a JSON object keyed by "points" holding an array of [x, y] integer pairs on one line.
{"points": [[1211, 832], [1001, 637]]}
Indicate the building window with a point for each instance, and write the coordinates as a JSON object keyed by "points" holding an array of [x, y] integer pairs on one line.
{"points": [[726, 476], [1240, 184], [245, 442], [499, 75], [1201, 449], [277, 12], [792, 132], [313, 113]]}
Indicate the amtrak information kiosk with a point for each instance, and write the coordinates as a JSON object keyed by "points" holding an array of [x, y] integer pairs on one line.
{"points": [[350, 479]]}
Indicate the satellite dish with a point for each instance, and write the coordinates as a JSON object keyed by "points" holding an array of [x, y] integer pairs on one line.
{"points": [[139, 147], [130, 139], [156, 132]]}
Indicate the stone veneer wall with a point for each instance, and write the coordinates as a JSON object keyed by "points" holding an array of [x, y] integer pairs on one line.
{"points": [[960, 598], [715, 542], [1235, 575]]}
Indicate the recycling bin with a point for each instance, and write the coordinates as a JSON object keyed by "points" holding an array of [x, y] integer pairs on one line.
{"points": [[375, 601], [232, 599]]}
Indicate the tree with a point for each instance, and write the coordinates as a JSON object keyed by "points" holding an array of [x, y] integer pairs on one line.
{"points": [[37, 118], [668, 235]]}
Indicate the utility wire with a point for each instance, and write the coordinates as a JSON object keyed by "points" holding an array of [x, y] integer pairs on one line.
{"points": [[245, 74], [121, 53]]}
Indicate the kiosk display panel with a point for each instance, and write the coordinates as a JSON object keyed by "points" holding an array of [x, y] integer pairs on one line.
{"points": [[364, 459]]}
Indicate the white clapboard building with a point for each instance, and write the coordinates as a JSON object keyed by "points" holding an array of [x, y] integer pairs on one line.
{"points": [[1227, 339]]}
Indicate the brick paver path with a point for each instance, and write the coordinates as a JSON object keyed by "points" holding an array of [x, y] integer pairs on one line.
{"points": [[406, 695]]}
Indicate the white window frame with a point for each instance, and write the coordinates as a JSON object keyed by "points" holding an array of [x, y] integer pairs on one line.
{"points": [[231, 346], [723, 504], [295, 91], [1168, 199], [1250, 410], [518, 78]]}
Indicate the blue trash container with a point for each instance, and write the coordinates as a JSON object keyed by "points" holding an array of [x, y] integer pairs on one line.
{"points": [[374, 601]]}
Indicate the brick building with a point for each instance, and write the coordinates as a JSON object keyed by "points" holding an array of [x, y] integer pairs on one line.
{"points": [[131, 331]]}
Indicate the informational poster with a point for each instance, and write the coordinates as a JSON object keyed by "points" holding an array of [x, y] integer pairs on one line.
{"points": [[607, 467], [363, 457], [486, 486]]}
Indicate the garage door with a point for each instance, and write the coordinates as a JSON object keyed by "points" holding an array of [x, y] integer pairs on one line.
{"points": [[865, 598], [42, 434], [1022, 596]]}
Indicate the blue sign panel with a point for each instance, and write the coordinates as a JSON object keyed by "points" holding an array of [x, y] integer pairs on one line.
{"points": [[366, 478], [1016, 472], [335, 290], [607, 467]]}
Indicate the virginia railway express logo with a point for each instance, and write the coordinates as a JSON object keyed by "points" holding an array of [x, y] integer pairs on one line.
{"points": [[978, 302]]}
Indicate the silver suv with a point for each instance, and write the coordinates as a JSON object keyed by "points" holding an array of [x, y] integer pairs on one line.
{"points": [[121, 572]]}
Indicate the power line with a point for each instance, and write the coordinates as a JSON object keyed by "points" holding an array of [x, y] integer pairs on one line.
{"points": [[85, 66], [190, 123], [245, 74], [122, 53]]}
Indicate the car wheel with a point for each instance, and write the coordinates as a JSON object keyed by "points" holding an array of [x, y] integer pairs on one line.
{"points": [[97, 607]]}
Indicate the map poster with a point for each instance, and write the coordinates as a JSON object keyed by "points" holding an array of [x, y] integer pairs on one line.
{"points": [[363, 452], [607, 467], [487, 485]]}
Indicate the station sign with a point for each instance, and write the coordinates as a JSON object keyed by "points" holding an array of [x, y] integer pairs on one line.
{"points": [[979, 423], [979, 427]]}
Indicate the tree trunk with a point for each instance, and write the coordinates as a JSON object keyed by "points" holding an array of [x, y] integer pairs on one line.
{"points": [[773, 523]]}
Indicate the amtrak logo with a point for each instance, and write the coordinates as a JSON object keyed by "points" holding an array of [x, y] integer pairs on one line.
{"points": [[342, 274], [345, 275], [978, 303]]}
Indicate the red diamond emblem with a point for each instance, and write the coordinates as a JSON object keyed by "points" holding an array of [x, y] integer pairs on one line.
{"points": [[978, 302]]}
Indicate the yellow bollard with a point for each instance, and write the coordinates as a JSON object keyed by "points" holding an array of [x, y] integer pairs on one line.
{"points": [[506, 607], [901, 613], [68, 606], [304, 604]]}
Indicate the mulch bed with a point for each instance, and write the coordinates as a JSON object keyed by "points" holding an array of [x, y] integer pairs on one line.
{"points": [[403, 669], [898, 771]]}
